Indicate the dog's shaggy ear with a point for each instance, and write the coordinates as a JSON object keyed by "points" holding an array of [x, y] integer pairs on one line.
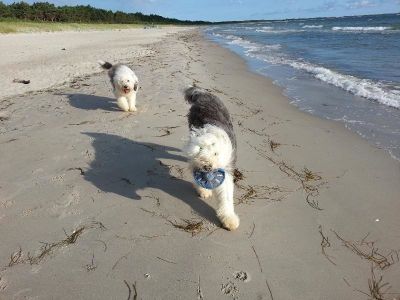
{"points": [[105, 65], [192, 94]]}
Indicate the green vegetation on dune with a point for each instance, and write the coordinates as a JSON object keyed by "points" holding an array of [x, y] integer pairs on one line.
{"points": [[44, 16], [15, 26]]}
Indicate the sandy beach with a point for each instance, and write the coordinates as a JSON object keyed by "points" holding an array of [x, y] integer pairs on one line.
{"points": [[96, 203], [54, 58]]}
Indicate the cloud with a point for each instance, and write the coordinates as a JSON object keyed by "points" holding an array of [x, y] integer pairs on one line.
{"points": [[360, 4], [329, 5]]}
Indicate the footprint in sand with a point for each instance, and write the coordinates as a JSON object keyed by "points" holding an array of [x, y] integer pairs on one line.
{"points": [[229, 289], [242, 276], [64, 206], [57, 178], [3, 283], [6, 203]]}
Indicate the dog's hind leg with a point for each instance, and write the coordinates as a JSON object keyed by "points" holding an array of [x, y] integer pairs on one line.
{"points": [[123, 103], [132, 102], [225, 211]]}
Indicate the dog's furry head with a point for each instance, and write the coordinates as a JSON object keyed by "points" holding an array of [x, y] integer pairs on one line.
{"points": [[206, 110], [209, 148], [123, 79]]}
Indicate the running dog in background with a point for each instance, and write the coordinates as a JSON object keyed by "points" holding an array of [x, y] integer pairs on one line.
{"points": [[125, 84], [211, 150]]}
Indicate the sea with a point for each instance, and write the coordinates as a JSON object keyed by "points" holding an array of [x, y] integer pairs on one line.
{"points": [[345, 69]]}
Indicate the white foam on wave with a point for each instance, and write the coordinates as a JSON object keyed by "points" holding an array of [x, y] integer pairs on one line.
{"points": [[360, 87], [250, 47], [361, 29], [313, 26], [216, 34], [265, 29], [272, 30]]}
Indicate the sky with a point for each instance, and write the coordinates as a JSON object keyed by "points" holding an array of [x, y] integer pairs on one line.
{"points": [[222, 10]]}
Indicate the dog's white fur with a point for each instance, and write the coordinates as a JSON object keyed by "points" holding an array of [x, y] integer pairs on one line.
{"points": [[210, 148], [126, 98], [125, 84]]}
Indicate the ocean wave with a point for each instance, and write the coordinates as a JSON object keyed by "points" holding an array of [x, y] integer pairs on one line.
{"points": [[216, 34], [265, 29], [313, 26], [361, 29], [245, 44], [251, 47], [232, 37], [360, 87], [272, 30], [365, 88]]}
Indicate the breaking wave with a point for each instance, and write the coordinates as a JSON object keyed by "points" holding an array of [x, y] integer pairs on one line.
{"points": [[358, 86], [361, 29]]}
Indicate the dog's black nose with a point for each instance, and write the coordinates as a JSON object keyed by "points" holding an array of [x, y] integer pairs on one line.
{"points": [[125, 86], [207, 168]]}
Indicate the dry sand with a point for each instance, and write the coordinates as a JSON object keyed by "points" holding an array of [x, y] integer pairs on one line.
{"points": [[53, 58], [96, 203]]}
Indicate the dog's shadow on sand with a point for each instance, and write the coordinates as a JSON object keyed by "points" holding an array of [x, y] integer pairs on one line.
{"points": [[92, 102], [125, 167]]}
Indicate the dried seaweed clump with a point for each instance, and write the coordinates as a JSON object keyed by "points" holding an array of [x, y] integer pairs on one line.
{"points": [[309, 181], [273, 145], [368, 251], [237, 175], [378, 288], [325, 244], [192, 226], [261, 192], [49, 248]]}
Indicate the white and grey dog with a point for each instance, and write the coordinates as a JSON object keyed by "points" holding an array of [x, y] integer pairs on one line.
{"points": [[125, 84], [212, 146]]}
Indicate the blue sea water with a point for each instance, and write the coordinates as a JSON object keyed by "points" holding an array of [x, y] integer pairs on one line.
{"points": [[345, 69]]}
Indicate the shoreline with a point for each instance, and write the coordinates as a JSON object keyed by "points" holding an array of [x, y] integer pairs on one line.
{"points": [[365, 106], [279, 92], [72, 162]]}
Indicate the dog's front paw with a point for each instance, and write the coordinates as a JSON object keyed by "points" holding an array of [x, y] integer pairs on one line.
{"points": [[133, 108], [204, 193], [230, 222], [123, 104]]}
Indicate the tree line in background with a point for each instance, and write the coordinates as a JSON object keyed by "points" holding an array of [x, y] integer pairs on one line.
{"points": [[47, 12]]}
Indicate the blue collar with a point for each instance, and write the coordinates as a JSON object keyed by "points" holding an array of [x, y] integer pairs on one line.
{"points": [[209, 180]]}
